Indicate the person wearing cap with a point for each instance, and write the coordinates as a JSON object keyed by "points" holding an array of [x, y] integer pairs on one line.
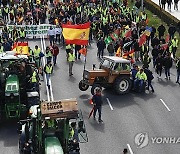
{"points": [[97, 102]]}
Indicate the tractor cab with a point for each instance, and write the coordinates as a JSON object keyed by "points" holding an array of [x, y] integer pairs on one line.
{"points": [[12, 97], [15, 72], [54, 127]]}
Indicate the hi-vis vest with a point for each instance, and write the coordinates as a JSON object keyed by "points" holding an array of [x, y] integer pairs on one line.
{"points": [[37, 52], [174, 43], [33, 78], [68, 46], [137, 19], [49, 54], [49, 69], [1, 49], [144, 16], [71, 57], [6, 10], [22, 33]]}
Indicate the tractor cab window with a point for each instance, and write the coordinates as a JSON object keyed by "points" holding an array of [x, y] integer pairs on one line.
{"points": [[126, 66], [118, 67], [107, 63], [11, 87]]}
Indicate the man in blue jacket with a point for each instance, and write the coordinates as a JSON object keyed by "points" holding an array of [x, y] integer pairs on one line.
{"points": [[97, 102]]}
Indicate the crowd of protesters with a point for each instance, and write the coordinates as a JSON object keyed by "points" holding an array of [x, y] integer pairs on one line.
{"points": [[114, 25]]}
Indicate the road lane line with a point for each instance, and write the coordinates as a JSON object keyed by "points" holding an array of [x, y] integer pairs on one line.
{"points": [[165, 105], [109, 104], [130, 150], [50, 83], [45, 79]]}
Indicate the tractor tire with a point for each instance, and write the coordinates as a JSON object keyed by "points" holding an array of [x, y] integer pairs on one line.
{"points": [[83, 86], [94, 86], [122, 85]]}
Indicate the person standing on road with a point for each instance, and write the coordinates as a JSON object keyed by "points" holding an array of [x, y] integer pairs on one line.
{"points": [[176, 4], [101, 46], [167, 65], [51, 34], [169, 2], [178, 70], [48, 69], [97, 102], [71, 60], [150, 77], [158, 65], [171, 31], [163, 3], [161, 30], [58, 32], [110, 49], [55, 53], [36, 53], [174, 43], [48, 54]]}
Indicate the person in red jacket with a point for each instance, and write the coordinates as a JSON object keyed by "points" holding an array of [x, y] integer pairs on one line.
{"points": [[55, 53]]}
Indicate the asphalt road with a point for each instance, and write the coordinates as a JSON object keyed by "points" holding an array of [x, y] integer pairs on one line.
{"points": [[155, 113]]}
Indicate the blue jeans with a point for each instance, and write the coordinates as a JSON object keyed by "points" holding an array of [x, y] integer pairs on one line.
{"points": [[99, 108], [178, 74], [47, 78], [167, 72], [54, 59], [138, 84]]}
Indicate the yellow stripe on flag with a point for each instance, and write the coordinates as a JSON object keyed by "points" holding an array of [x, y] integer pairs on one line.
{"points": [[72, 34], [22, 50]]}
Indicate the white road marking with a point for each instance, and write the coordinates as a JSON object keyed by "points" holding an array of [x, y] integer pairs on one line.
{"points": [[165, 105], [130, 150], [45, 79], [50, 83], [109, 104]]}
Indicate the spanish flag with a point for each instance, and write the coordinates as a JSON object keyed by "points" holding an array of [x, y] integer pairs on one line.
{"points": [[21, 48], [76, 34]]}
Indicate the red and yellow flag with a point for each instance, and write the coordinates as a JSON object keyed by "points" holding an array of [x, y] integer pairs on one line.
{"points": [[21, 48], [76, 34]]}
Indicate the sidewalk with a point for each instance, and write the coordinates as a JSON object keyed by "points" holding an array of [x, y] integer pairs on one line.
{"points": [[173, 12]]}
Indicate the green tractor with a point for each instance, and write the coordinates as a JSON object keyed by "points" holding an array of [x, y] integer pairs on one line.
{"points": [[54, 128], [16, 91]]}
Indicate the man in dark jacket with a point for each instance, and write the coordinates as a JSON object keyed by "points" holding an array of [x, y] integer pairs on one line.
{"points": [[97, 102], [167, 65], [150, 77], [161, 30], [154, 54], [158, 65], [101, 46], [171, 31], [6, 45]]}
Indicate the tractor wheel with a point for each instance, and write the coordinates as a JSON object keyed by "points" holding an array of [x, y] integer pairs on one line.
{"points": [[122, 85], [83, 86], [94, 86]]}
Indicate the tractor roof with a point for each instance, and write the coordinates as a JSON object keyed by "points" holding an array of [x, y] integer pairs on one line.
{"points": [[10, 55], [116, 59], [66, 108]]}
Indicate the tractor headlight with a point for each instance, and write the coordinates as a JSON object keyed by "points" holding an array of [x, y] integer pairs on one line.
{"points": [[16, 94]]}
